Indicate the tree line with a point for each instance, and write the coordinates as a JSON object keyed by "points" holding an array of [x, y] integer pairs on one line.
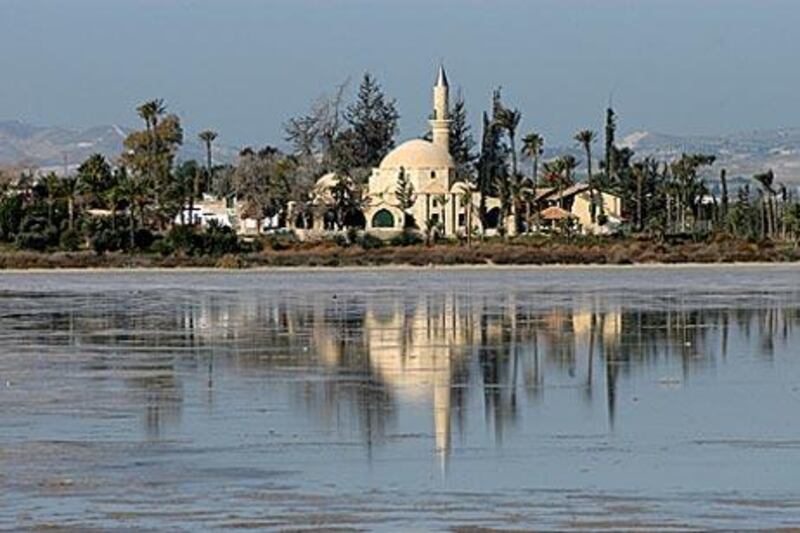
{"points": [[144, 199]]}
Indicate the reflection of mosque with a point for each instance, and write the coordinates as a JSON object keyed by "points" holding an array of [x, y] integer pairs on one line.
{"points": [[418, 351], [432, 350]]}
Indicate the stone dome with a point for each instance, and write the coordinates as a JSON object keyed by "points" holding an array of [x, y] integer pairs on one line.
{"points": [[416, 154]]}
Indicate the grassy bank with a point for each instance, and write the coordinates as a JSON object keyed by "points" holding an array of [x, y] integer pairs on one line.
{"points": [[521, 252]]}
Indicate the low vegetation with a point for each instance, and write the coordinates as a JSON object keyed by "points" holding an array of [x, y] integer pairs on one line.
{"points": [[369, 251]]}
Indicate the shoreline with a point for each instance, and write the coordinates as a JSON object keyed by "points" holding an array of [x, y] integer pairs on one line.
{"points": [[402, 268]]}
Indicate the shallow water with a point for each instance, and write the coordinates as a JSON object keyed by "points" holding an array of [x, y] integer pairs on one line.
{"points": [[585, 398]]}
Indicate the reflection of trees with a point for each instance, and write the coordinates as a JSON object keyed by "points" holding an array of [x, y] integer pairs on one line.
{"points": [[162, 398], [356, 359]]}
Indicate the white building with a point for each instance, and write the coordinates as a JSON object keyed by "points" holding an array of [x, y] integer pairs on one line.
{"points": [[439, 198]]}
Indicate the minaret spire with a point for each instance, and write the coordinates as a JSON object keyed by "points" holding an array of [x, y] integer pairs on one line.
{"points": [[441, 80], [440, 124]]}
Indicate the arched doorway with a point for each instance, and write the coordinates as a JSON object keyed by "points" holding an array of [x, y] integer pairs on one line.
{"points": [[493, 218], [383, 219]]}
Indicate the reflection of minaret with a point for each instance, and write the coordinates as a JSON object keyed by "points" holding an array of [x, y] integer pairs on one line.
{"points": [[441, 409], [440, 123], [412, 351]]}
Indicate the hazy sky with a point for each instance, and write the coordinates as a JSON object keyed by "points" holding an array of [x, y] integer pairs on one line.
{"points": [[243, 67]]}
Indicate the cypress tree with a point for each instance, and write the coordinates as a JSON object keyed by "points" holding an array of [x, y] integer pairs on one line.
{"points": [[405, 197], [611, 129], [372, 121], [461, 142]]}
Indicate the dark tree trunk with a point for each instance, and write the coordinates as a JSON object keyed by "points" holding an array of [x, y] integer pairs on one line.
{"points": [[639, 201], [723, 178]]}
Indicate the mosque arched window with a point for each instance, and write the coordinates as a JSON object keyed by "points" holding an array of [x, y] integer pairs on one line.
{"points": [[433, 174], [383, 219]]}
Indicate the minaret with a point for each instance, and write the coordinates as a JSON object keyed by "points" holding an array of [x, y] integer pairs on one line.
{"points": [[440, 124]]}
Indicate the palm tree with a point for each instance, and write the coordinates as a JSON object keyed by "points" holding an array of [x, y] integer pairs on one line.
{"points": [[52, 185], [113, 196], [532, 148], [767, 181], [150, 112], [585, 138], [70, 190], [136, 193], [207, 137], [568, 164], [509, 119]]}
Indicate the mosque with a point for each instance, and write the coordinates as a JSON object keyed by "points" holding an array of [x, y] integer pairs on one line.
{"points": [[439, 199]]}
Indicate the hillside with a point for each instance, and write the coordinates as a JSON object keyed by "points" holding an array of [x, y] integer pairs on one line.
{"points": [[48, 147], [743, 154]]}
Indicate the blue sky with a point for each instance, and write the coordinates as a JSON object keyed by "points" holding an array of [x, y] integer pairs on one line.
{"points": [[243, 67]]}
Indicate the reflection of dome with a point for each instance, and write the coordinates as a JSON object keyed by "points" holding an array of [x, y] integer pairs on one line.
{"points": [[417, 154]]}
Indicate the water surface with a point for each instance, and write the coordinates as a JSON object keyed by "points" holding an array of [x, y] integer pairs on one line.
{"points": [[594, 398]]}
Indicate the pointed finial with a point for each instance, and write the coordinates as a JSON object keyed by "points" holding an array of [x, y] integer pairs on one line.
{"points": [[441, 80]]}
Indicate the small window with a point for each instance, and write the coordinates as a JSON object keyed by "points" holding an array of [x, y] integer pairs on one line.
{"points": [[462, 220], [435, 218], [435, 204], [433, 174]]}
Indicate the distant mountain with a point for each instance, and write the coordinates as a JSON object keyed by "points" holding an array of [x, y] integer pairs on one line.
{"points": [[48, 147], [742, 154]]}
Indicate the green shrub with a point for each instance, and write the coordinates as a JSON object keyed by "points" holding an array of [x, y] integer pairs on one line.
{"points": [[370, 242], [215, 240], [407, 238], [32, 241], [11, 215], [179, 239], [219, 240], [36, 234], [106, 240], [70, 240], [143, 238]]}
